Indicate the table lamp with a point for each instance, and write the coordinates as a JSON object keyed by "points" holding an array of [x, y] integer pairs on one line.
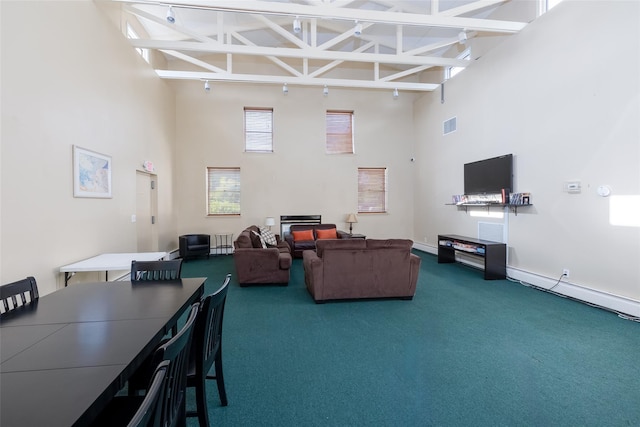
{"points": [[269, 221], [351, 218]]}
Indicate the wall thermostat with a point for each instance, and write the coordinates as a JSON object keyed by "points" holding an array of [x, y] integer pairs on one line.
{"points": [[604, 190]]}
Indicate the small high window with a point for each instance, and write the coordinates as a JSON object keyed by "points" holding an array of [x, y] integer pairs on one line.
{"points": [[372, 190], [258, 130], [339, 132]]}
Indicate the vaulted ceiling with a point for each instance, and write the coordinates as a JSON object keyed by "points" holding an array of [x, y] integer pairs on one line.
{"points": [[378, 44]]}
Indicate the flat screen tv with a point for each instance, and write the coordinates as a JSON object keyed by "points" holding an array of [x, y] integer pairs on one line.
{"points": [[489, 176]]}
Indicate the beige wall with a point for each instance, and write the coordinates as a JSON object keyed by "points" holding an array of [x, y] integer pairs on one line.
{"points": [[298, 178], [69, 77], [565, 101]]}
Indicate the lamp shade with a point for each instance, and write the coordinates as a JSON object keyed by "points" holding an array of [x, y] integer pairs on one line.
{"points": [[269, 221], [351, 218]]}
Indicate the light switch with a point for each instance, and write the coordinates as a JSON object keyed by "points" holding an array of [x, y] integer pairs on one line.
{"points": [[133, 218]]}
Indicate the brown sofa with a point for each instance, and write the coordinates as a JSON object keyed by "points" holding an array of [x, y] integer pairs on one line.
{"points": [[355, 268], [255, 264], [299, 246]]}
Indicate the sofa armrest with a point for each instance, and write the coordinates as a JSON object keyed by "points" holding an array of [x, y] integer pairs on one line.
{"points": [[342, 234], [414, 262], [313, 273]]}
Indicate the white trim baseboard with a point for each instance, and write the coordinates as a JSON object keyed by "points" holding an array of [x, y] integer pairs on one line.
{"points": [[576, 291]]}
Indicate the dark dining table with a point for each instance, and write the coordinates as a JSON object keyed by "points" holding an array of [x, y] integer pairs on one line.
{"points": [[64, 356]]}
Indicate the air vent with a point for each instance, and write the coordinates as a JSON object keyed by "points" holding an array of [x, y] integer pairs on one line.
{"points": [[449, 126]]}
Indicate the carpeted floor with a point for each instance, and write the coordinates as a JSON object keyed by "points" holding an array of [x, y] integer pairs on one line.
{"points": [[463, 352]]}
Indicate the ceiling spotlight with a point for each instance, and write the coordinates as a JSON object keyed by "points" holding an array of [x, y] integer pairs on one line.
{"points": [[207, 87], [395, 93], [297, 26], [462, 37], [285, 89], [171, 17], [357, 30], [325, 90]]}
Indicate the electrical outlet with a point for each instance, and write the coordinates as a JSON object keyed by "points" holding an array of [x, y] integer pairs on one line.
{"points": [[565, 272]]}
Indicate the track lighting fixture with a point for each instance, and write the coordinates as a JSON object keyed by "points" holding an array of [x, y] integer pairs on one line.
{"points": [[395, 93], [171, 17], [325, 90], [297, 26], [462, 37], [285, 89], [357, 30], [207, 87]]}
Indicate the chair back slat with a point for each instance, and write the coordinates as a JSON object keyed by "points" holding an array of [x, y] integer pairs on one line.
{"points": [[148, 414], [156, 270], [18, 293], [209, 325], [176, 351]]}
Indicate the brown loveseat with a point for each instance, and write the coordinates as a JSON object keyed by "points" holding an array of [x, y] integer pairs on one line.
{"points": [[355, 268], [299, 246], [256, 264]]}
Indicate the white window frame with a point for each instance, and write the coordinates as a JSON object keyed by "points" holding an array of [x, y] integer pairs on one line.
{"points": [[372, 190], [450, 72], [339, 139], [228, 190], [131, 34], [258, 130]]}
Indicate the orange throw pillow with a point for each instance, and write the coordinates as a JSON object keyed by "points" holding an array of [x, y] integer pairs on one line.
{"points": [[327, 234], [302, 235]]}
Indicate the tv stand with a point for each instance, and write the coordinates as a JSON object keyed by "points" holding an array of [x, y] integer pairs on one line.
{"points": [[493, 253]]}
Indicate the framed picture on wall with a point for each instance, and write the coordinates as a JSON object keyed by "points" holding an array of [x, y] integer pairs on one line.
{"points": [[91, 174]]}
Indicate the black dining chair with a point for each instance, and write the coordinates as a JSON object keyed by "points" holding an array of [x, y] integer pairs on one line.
{"points": [[156, 270], [15, 294], [146, 271], [206, 350], [142, 411], [148, 412], [171, 410]]}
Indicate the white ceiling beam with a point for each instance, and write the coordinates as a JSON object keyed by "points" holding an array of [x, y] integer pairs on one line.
{"points": [[471, 7], [302, 81], [273, 59], [298, 53], [405, 73], [193, 61], [334, 64], [325, 11], [174, 27]]}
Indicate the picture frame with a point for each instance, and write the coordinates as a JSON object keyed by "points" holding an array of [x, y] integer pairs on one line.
{"points": [[91, 174]]}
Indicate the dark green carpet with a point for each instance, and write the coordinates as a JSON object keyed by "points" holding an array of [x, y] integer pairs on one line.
{"points": [[464, 352]]}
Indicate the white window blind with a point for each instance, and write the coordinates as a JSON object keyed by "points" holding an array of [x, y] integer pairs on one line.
{"points": [[339, 132], [223, 191], [258, 129], [372, 190]]}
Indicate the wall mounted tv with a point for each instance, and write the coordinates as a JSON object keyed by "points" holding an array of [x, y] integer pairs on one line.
{"points": [[489, 176]]}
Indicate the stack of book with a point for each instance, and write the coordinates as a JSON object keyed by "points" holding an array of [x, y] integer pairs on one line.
{"points": [[520, 198]]}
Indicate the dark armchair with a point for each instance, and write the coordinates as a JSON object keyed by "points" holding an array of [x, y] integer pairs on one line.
{"points": [[194, 245]]}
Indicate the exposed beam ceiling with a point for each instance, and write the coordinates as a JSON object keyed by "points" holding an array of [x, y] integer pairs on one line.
{"points": [[215, 40]]}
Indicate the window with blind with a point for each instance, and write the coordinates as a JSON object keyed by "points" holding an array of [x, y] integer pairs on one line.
{"points": [[372, 190], [223, 191], [339, 132], [258, 130]]}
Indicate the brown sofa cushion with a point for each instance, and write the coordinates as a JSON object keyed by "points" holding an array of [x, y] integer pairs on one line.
{"points": [[347, 244]]}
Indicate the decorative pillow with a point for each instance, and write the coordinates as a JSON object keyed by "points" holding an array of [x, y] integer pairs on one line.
{"points": [[329, 233], [268, 237], [264, 244], [302, 235]]}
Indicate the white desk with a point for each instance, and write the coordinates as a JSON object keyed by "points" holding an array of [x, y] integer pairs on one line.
{"points": [[108, 262]]}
